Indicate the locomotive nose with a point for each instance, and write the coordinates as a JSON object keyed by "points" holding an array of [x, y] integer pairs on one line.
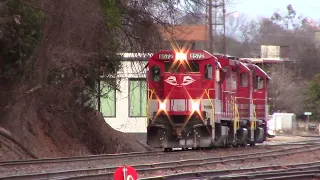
{"points": [[179, 80]]}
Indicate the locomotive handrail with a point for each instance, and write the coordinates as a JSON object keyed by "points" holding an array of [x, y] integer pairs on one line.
{"points": [[259, 99], [254, 124], [242, 98], [230, 92], [208, 94], [236, 123], [212, 105]]}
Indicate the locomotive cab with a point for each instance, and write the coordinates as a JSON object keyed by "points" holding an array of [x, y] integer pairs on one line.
{"points": [[196, 100], [179, 85], [259, 99]]}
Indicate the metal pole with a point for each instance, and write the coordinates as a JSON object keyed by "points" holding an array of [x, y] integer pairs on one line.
{"points": [[307, 124], [99, 95], [210, 27], [224, 28]]}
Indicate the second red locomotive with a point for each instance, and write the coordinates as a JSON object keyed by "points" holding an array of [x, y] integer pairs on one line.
{"points": [[198, 100]]}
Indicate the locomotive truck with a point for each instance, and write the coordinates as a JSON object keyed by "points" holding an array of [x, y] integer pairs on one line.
{"points": [[199, 100]]}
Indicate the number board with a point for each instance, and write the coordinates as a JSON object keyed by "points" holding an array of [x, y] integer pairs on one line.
{"points": [[165, 56], [196, 55], [191, 56]]}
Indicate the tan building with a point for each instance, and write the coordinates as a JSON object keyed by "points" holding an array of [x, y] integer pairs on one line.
{"points": [[195, 34]]}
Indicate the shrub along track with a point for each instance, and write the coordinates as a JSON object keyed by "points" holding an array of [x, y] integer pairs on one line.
{"points": [[145, 169]]}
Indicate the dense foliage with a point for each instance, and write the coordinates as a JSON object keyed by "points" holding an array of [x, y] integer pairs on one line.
{"points": [[20, 33]]}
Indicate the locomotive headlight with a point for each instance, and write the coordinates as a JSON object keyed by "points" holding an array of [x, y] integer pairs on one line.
{"points": [[195, 106], [181, 56], [162, 106]]}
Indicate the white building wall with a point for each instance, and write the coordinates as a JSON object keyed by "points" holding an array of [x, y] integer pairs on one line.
{"points": [[122, 121]]}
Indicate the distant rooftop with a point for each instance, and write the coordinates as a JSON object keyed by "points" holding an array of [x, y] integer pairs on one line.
{"points": [[262, 60], [185, 32]]}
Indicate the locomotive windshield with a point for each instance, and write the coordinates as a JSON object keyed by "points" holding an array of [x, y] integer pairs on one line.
{"points": [[191, 67], [174, 67], [171, 67]]}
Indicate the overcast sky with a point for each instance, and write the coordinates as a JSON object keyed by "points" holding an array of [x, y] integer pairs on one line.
{"points": [[258, 8]]}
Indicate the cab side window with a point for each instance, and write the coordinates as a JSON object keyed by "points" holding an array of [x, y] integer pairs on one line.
{"points": [[244, 79], [259, 82], [208, 71], [155, 73]]}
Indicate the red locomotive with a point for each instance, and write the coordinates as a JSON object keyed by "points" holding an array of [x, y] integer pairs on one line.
{"points": [[198, 100]]}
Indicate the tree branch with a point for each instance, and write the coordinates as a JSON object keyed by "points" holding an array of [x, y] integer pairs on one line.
{"points": [[32, 90]]}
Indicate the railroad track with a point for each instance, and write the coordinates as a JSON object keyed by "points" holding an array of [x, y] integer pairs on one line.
{"points": [[129, 155], [306, 172], [82, 158], [107, 172], [276, 171]]}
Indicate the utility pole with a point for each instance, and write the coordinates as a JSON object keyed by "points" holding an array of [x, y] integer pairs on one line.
{"points": [[224, 28], [216, 17], [210, 27]]}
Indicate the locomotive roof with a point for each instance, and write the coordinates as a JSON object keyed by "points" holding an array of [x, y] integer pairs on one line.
{"points": [[146, 56], [245, 66], [263, 72]]}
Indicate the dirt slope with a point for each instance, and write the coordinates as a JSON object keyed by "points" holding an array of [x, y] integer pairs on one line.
{"points": [[43, 115]]}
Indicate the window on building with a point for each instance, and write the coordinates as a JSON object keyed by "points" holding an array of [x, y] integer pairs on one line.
{"points": [[108, 100], [259, 82], [208, 71], [244, 79], [137, 97]]}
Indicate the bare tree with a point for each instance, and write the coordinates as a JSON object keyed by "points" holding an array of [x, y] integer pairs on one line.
{"points": [[286, 91], [233, 24], [49, 97]]}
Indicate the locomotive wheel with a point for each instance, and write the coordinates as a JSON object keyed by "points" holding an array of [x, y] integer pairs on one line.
{"points": [[252, 143], [243, 145], [236, 145], [227, 145]]}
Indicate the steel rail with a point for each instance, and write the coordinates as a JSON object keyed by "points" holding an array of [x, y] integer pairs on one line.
{"points": [[143, 168], [127, 155], [196, 174], [275, 175], [83, 158], [246, 172]]}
